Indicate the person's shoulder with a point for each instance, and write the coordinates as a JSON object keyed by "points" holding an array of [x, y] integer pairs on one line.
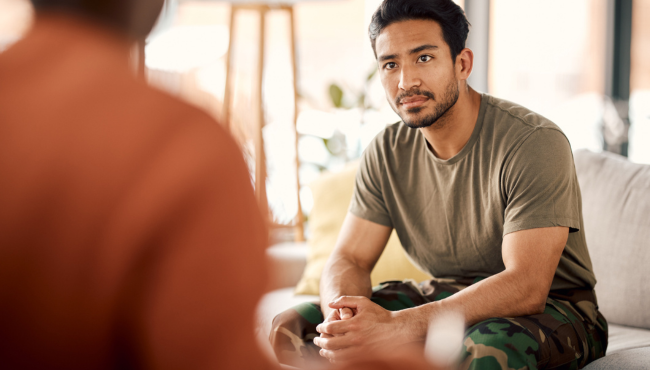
{"points": [[515, 124], [165, 112], [163, 133], [391, 133], [394, 136], [513, 113]]}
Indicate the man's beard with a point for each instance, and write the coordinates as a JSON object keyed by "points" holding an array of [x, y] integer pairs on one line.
{"points": [[449, 98]]}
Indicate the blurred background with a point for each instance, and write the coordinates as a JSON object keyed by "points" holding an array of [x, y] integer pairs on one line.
{"points": [[585, 64]]}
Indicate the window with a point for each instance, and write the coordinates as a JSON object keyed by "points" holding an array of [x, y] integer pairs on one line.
{"points": [[549, 56]]}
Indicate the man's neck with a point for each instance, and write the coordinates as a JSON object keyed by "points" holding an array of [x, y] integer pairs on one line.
{"points": [[448, 138], [55, 30]]}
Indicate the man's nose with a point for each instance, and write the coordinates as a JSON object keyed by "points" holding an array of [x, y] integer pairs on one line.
{"points": [[409, 78]]}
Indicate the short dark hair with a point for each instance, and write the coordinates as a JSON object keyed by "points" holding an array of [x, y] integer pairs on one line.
{"points": [[448, 14], [133, 17]]}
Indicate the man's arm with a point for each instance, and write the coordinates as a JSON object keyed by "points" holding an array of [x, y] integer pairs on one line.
{"points": [[530, 257], [357, 250]]}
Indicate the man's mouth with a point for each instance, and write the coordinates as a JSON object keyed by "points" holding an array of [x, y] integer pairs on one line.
{"points": [[413, 101]]}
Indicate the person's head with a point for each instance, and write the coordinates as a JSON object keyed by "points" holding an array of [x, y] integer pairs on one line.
{"points": [[449, 15], [134, 18], [421, 55]]}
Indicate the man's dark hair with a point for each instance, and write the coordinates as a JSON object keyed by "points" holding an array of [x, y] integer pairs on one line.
{"points": [[133, 17], [448, 14]]}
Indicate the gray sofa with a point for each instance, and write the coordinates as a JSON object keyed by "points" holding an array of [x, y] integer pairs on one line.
{"points": [[616, 209]]}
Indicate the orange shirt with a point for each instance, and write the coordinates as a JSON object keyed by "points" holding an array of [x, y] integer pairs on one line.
{"points": [[129, 234]]}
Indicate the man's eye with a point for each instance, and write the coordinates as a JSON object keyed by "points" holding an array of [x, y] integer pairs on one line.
{"points": [[390, 65], [425, 58]]}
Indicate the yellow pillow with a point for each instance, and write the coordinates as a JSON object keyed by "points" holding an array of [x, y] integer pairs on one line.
{"points": [[332, 193]]}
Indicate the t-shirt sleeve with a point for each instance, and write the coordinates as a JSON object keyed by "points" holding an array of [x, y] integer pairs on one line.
{"points": [[540, 185], [368, 197]]}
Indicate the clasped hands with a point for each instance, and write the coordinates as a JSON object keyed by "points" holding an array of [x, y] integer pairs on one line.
{"points": [[357, 327]]}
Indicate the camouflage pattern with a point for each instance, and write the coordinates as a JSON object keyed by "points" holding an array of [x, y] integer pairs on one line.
{"points": [[569, 334], [292, 336]]}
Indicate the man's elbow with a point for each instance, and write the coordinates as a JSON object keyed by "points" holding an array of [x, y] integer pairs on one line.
{"points": [[339, 260], [536, 301], [537, 307]]}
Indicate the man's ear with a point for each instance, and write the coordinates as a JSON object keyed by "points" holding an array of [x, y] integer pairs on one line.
{"points": [[464, 64]]}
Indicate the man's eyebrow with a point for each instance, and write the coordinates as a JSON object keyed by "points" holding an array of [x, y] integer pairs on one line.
{"points": [[386, 57], [423, 47], [413, 51]]}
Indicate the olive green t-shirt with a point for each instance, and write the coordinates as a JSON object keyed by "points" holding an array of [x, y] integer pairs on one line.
{"points": [[516, 172]]}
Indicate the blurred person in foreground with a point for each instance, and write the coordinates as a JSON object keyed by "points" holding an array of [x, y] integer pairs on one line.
{"points": [[127, 221], [129, 234], [483, 195]]}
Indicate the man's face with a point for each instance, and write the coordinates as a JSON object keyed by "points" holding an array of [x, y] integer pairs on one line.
{"points": [[417, 71]]}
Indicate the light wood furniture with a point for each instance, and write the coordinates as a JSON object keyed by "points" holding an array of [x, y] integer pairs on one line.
{"points": [[260, 158], [262, 8]]}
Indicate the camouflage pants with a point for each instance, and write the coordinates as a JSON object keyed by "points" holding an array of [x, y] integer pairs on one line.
{"points": [[569, 334]]}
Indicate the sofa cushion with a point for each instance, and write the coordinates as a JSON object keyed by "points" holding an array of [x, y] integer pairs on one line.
{"points": [[622, 338], [632, 359], [616, 211], [332, 193]]}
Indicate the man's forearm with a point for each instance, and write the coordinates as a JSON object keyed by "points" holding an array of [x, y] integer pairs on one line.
{"points": [[342, 276], [531, 258], [503, 295]]}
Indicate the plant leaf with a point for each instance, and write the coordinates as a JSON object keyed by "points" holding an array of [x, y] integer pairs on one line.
{"points": [[372, 74], [362, 101], [336, 94]]}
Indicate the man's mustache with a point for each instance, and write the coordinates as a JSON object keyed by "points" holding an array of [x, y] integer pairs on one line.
{"points": [[413, 92]]}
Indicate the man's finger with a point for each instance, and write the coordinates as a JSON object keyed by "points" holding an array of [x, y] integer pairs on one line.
{"points": [[348, 301], [345, 313], [333, 316], [338, 355], [333, 343], [334, 327]]}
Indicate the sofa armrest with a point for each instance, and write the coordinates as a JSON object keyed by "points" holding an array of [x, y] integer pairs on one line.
{"points": [[286, 263]]}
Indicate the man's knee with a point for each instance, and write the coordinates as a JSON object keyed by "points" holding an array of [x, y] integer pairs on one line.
{"points": [[499, 343], [293, 331], [299, 321]]}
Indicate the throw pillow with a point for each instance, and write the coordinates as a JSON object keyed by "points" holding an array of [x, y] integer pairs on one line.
{"points": [[332, 193]]}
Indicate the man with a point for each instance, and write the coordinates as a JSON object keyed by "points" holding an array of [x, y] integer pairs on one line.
{"points": [[483, 195]]}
